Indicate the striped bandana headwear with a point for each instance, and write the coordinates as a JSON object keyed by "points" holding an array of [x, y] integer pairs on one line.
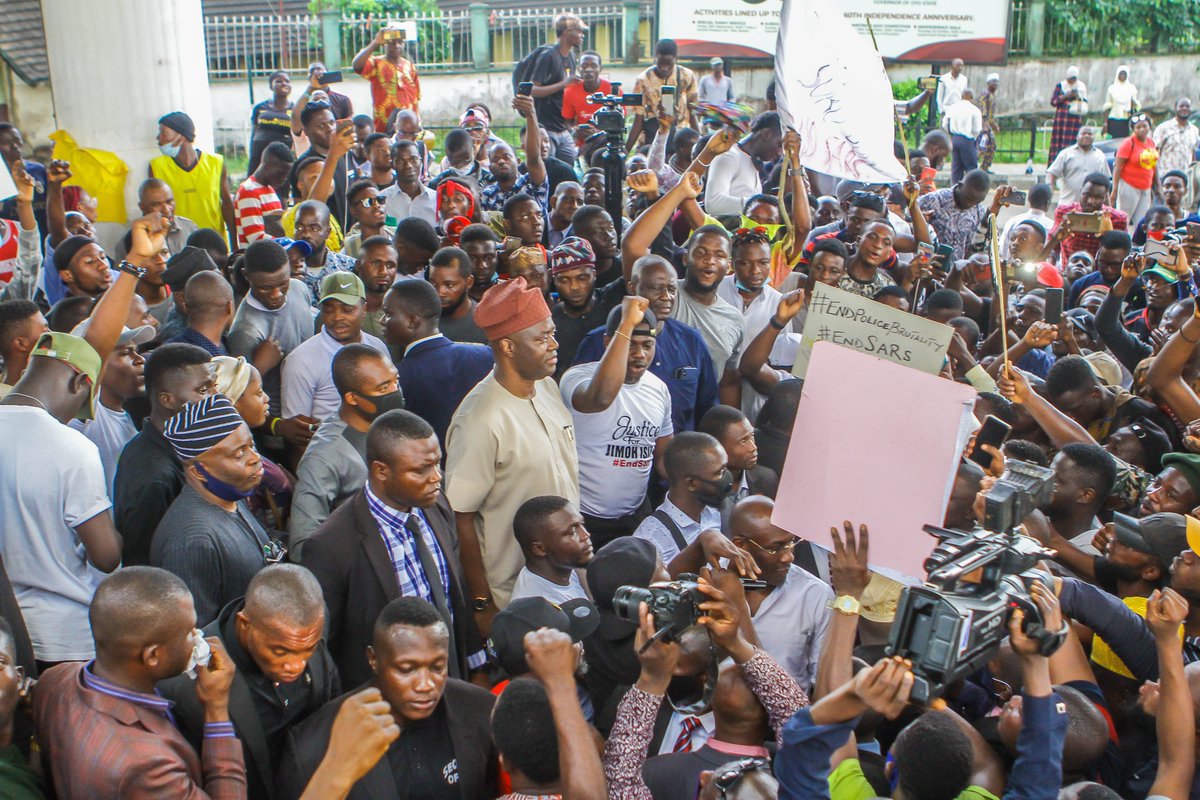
{"points": [[201, 425]]}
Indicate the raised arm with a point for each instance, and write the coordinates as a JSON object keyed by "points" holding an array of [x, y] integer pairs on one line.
{"points": [[801, 213], [56, 211], [111, 310], [360, 58], [1129, 349], [753, 366], [601, 391], [1165, 375], [1175, 726], [649, 224], [532, 144], [343, 142], [849, 574]]}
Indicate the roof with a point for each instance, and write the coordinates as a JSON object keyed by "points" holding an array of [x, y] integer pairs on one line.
{"points": [[22, 40]]}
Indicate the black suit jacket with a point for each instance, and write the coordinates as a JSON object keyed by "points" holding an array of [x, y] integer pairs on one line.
{"points": [[468, 716], [351, 562], [189, 713]]}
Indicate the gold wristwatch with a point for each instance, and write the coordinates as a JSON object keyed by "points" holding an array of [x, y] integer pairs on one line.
{"points": [[845, 604]]}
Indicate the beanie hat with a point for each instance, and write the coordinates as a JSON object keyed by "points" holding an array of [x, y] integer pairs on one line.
{"points": [[571, 253], [67, 249], [181, 123]]}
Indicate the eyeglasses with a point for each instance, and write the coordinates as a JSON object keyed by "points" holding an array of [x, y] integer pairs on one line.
{"points": [[729, 777], [367, 202], [778, 549]]}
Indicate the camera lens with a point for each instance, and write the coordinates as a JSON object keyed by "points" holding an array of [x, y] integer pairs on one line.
{"points": [[626, 601]]}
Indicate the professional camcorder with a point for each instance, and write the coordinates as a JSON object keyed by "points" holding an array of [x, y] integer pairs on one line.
{"points": [[953, 625], [611, 119], [674, 604]]}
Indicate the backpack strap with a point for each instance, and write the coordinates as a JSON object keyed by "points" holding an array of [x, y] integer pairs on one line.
{"points": [[672, 528]]}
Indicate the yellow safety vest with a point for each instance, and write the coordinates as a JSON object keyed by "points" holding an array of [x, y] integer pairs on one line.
{"points": [[197, 191]]}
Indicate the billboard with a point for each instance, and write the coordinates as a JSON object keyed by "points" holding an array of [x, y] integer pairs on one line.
{"points": [[924, 31]]}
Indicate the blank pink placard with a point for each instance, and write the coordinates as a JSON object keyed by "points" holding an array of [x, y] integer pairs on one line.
{"points": [[874, 443]]}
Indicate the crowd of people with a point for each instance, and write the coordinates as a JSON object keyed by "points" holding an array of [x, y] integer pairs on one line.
{"points": [[339, 483]]}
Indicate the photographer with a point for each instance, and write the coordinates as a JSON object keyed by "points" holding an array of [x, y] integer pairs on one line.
{"points": [[630, 737]]}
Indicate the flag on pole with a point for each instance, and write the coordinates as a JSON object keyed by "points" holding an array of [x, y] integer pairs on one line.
{"points": [[832, 89]]}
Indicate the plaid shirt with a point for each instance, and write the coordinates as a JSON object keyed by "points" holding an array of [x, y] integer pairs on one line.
{"points": [[1085, 241], [493, 198], [954, 226]]}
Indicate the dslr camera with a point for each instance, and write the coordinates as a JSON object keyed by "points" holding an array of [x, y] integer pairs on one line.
{"points": [[610, 119], [674, 604], [954, 624]]}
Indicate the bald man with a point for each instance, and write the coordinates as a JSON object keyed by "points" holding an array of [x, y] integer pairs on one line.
{"points": [[792, 613], [104, 731], [284, 671], [155, 195], [209, 309]]}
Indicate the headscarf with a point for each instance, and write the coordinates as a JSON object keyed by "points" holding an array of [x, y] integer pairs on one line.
{"points": [[1122, 92], [447, 189], [232, 376]]}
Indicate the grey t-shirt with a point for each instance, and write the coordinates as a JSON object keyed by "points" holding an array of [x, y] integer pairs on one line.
{"points": [[290, 325], [463, 330], [720, 324], [332, 469]]}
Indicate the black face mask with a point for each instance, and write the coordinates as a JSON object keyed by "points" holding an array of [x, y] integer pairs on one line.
{"points": [[392, 401], [720, 489]]}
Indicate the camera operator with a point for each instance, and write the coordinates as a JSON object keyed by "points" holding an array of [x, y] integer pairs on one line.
{"points": [[635, 722]]}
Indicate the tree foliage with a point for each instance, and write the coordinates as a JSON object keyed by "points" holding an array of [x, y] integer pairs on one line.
{"points": [[1123, 27]]}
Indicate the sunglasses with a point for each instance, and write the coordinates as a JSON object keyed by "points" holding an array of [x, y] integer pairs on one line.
{"points": [[727, 779], [367, 202]]}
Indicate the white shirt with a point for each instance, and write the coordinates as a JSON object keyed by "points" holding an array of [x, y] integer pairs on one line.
{"points": [[732, 178], [791, 623], [1071, 166], [950, 89], [308, 375], [657, 534], [756, 317], [616, 445], [700, 735], [1035, 214], [530, 585], [963, 119], [399, 205], [51, 481], [110, 431]]}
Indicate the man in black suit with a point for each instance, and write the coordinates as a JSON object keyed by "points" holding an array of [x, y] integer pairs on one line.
{"points": [[445, 749], [369, 552], [284, 672]]}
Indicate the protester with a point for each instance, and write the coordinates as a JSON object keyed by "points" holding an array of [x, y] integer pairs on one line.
{"points": [[716, 86], [1135, 171], [394, 81], [951, 85], [271, 119], [964, 121], [665, 72], [555, 544], [1177, 139], [1073, 164], [553, 72], [199, 180]]}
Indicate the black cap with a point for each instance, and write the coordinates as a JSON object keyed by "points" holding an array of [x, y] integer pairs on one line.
{"points": [[650, 322], [625, 561], [1084, 320], [184, 264], [1163, 536], [576, 617]]}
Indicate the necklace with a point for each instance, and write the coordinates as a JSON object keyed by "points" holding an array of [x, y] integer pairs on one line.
{"points": [[30, 397]]}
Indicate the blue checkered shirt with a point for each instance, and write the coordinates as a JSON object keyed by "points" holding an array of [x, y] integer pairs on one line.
{"points": [[493, 198], [406, 562]]}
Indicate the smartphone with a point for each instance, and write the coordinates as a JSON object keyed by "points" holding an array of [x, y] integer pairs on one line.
{"points": [[993, 432], [1084, 223], [945, 256], [1054, 306], [525, 88], [927, 84], [344, 124], [1016, 198], [668, 101], [331, 77], [1157, 251], [925, 249], [1193, 229]]}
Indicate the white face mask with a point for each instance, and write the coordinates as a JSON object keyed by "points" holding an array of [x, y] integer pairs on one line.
{"points": [[201, 653]]}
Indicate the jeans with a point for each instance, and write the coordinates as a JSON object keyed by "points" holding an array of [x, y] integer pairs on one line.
{"points": [[562, 146], [1134, 202], [965, 157]]}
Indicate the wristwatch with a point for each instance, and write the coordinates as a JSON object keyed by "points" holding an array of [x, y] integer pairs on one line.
{"points": [[481, 603], [845, 604], [137, 272]]}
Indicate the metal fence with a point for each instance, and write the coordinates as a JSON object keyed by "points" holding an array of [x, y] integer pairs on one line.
{"points": [[261, 44], [444, 41]]}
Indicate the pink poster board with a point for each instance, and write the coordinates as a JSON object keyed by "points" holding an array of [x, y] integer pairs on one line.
{"points": [[876, 443]]}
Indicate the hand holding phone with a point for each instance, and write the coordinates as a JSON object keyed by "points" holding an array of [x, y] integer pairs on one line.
{"points": [[525, 88], [1054, 305], [994, 432]]}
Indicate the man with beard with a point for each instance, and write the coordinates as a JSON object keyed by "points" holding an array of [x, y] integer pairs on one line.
{"points": [[582, 306], [622, 422], [792, 613], [518, 408], [376, 268], [1175, 489], [699, 481], [312, 226], [1092, 196], [507, 182], [706, 261], [451, 276], [333, 467], [1084, 475], [566, 200], [593, 223], [556, 544]]}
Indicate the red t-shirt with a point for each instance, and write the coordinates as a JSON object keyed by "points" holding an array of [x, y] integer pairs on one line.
{"points": [[1140, 158], [576, 109]]}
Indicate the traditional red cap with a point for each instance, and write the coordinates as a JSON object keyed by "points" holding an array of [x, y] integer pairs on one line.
{"points": [[509, 307], [1049, 276]]}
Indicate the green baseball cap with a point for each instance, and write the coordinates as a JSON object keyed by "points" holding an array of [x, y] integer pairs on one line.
{"points": [[80, 355], [1162, 272], [343, 286], [1188, 464]]}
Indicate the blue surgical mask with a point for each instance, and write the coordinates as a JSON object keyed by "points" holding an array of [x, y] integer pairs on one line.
{"points": [[221, 489], [169, 150]]}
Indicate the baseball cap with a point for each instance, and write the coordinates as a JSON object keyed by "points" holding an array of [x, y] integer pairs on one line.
{"points": [[576, 617], [139, 335], [715, 60], [1161, 272], [343, 286], [1163, 536], [79, 354], [649, 321], [1188, 465], [1084, 320], [1105, 366], [625, 561], [184, 264], [287, 244]]}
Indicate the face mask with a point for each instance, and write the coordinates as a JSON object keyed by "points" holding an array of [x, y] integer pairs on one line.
{"points": [[169, 150], [1156, 235], [221, 489], [201, 653], [721, 489], [392, 401]]}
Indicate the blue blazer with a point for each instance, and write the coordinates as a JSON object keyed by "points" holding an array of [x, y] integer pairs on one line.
{"points": [[437, 374]]}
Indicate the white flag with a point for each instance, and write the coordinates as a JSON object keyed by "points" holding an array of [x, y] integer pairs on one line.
{"points": [[832, 89]]}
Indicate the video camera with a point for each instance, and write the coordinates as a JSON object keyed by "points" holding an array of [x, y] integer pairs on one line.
{"points": [[953, 625], [674, 604], [610, 119]]}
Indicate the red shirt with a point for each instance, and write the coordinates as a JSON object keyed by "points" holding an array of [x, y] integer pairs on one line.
{"points": [[392, 87], [1140, 158], [576, 108], [254, 201]]}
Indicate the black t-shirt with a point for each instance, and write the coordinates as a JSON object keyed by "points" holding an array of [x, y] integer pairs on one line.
{"points": [[569, 330], [337, 200], [423, 760], [551, 67], [271, 124]]}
